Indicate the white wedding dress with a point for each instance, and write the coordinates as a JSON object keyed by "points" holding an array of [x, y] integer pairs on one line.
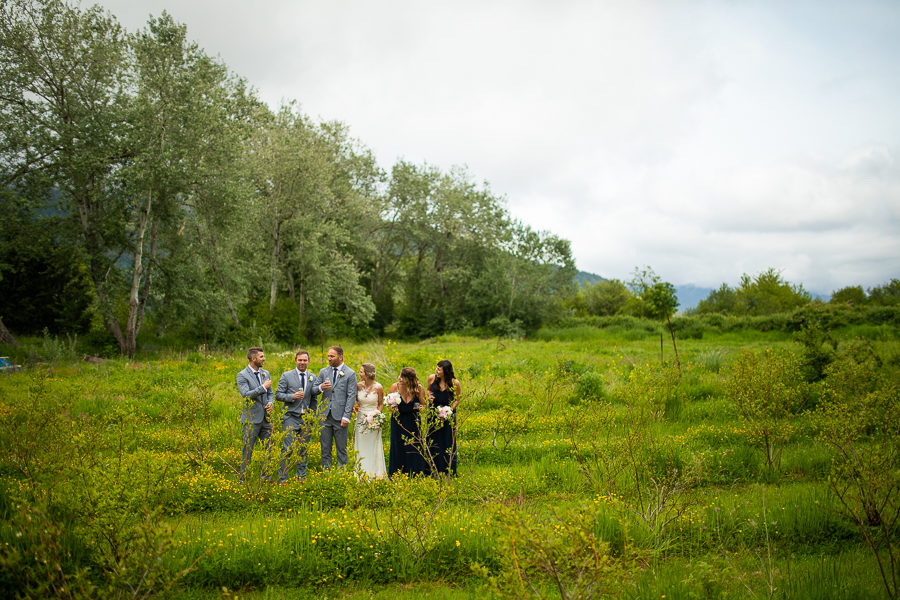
{"points": [[368, 442]]}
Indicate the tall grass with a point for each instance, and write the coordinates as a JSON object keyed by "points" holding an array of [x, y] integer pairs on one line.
{"points": [[532, 407]]}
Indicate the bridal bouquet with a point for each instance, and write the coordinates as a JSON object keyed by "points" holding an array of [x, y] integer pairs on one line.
{"points": [[392, 400], [374, 421], [444, 413]]}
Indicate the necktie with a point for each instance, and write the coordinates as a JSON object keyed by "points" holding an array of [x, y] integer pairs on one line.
{"points": [[333, 375], [302, 381], [258, 378]]}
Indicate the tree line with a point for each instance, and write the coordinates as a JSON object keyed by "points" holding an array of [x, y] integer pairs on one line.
{"points": [[762, 294], [147, 191]]}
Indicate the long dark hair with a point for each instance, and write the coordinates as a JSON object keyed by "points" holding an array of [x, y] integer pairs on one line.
{"points": [[412, 380], [447, 377]]}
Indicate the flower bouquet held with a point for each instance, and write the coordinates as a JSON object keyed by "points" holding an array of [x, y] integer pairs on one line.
{"points": [[444, 412], [392, 400], [373, 421]]}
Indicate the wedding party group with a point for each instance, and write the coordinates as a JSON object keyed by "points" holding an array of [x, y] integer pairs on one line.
{"points": [[421, 417]]}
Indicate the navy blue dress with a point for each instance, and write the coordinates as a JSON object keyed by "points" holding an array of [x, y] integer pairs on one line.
{"points": [[442, 441], [406, 446]]}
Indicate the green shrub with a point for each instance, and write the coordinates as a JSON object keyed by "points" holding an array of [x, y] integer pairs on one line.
{"points": [[590, 387], [766, 387]]}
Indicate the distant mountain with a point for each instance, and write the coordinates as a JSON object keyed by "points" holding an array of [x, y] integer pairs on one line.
{"points": [[589, 278], [688, 295]]}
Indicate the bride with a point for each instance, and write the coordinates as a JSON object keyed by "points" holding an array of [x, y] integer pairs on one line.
{"points": [[367, 439]]}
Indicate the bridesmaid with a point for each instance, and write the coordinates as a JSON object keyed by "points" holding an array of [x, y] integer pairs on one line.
{"points": [[406, 455], [444, 390]]}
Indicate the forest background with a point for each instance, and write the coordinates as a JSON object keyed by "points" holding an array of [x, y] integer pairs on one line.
{"points": [[150, 199]]}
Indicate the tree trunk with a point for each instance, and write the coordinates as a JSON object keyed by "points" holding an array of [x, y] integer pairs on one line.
{"points": [[301, 301], [290, 285], [674, 347], [273, 269], [6, 337], [134, 296]]}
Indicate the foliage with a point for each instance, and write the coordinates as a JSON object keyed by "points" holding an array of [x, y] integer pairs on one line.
{"points": [[86, 521], [138, 459], [658, 300], [604, 298], [819, 348], [556, 554], [766, 388], [886, 295], [172, 189], [590, 387], [30, 244], [763, 294], [852, 295], [721, 300], [860, 420]]}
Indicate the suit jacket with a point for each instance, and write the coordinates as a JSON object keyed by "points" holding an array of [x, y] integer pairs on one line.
{"points": [[339, 400], [290, 383], [255, 395]]}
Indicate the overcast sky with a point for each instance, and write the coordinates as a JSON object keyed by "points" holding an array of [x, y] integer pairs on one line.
{"points": [[703, 138]]}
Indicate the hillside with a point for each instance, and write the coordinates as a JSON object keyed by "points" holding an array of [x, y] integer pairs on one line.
{"points": [[689, 295]]}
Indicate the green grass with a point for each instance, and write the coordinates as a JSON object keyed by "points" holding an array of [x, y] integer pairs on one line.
{"points": [[742, 529]]}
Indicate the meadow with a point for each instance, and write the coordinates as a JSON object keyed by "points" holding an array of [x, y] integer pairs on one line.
{"points": [[589, 467]]}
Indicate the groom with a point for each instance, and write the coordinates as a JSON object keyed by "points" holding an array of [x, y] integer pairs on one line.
{"points": [[295, 389], [338, 390]]}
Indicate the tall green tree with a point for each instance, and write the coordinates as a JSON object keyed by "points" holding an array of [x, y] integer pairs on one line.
{"points": [[852, 295], [763, 294], [394, 235], [312, 187], [538, 273], [181, 97], [191, 120], [454, 228], [768, 293], [604, 298], [721, 300], [63, 74], [886, 295]]}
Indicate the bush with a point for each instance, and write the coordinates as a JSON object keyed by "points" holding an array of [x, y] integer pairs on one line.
{"points": [[766, 388], [564, 552], [503, 327], [688, 327], [590, 387]]}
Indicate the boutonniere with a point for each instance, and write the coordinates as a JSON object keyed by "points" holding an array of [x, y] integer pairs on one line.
{"points": [[340, 373]]}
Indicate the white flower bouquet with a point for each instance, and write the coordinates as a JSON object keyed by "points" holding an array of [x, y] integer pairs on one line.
{"points": [[444, 413], [393, 400], [373, 421]]}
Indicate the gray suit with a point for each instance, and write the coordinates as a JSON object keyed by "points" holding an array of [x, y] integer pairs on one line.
{"points": [[337, 404], [292, 419], [256, 425]]}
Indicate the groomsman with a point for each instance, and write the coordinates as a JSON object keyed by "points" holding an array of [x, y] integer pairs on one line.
{"points": [[255, 387], [338, 389], [296, 389]]}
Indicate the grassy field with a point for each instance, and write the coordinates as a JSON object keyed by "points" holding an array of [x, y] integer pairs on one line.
{"points": [[588, 468]]}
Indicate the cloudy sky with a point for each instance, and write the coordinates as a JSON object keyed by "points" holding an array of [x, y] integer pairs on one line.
{"points": [[705, 139]]}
